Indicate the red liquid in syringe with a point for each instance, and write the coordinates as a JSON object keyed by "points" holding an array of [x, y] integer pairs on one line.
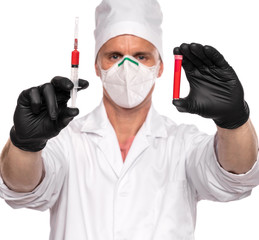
{"points": [[177, 75], [75, 55]]}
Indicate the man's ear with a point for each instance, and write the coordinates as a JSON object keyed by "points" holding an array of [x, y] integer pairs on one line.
{"points": [[161, 69], [97, 70]]}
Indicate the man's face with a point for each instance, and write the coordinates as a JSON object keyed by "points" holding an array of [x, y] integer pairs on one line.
{"points": [[114, 50]]}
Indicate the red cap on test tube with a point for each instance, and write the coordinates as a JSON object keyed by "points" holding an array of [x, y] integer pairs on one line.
{"points": [[177, 75]]}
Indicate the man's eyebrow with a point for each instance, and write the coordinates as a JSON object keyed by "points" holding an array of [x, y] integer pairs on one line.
{"points": [[113, 53], [142, 53], [109, 53]]}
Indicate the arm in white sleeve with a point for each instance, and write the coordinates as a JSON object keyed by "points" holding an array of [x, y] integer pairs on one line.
{"points": [[237, 148], [210, 180], [46, 193]]}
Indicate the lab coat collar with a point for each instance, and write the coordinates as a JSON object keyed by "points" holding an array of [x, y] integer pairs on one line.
{"points": [[154, 124], [98, 123]]}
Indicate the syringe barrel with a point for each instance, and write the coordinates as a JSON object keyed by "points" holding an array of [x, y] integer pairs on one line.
{"points": [[73, 92]]}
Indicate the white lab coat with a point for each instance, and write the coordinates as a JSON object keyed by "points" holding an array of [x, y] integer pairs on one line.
{"points": [[92, 195]]}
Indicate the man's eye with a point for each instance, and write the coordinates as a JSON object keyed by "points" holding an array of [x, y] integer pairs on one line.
{"points": [[140, 57], [115, 57]]}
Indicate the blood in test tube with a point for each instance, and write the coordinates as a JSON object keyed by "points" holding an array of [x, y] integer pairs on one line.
{"points": [[177, 75]]}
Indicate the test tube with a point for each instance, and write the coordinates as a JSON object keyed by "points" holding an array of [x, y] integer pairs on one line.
{"points": [[177, 75]]}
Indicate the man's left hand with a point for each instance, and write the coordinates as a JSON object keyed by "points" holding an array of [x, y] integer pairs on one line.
{"points": [[215, 90]]}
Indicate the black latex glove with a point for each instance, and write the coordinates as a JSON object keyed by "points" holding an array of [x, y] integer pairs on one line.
{"points": [[215, 90], [42, 112]]}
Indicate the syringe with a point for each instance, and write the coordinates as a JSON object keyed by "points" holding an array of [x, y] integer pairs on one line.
{"points": [[75, 66]]}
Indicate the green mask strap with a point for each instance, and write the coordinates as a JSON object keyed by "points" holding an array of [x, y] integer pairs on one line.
{"points": [[128, 60]]}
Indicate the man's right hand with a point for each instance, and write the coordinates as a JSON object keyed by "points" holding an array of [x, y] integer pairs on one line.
{"points": [[42, 112]]}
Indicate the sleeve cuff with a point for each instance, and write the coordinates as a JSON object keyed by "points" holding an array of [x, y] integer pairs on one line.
{"points": [[251, 176], [34, 199], [249, 179]]}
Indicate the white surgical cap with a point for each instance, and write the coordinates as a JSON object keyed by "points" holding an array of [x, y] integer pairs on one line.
{"points": [[142, 18]]}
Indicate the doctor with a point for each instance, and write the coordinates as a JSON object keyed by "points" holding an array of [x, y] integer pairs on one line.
{"points": [[123, 171]]}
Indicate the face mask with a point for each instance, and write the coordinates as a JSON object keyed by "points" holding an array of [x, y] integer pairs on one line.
{"points": [[128, 82]]}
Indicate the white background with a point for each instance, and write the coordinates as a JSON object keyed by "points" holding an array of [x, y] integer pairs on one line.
{"points": [[36, 41]]}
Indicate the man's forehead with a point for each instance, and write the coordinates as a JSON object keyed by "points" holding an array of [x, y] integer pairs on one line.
{"points": [[128, 42]]}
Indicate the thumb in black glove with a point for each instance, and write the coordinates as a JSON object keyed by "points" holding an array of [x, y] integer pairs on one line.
{"points": [[42, 112], [215, 90]]}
